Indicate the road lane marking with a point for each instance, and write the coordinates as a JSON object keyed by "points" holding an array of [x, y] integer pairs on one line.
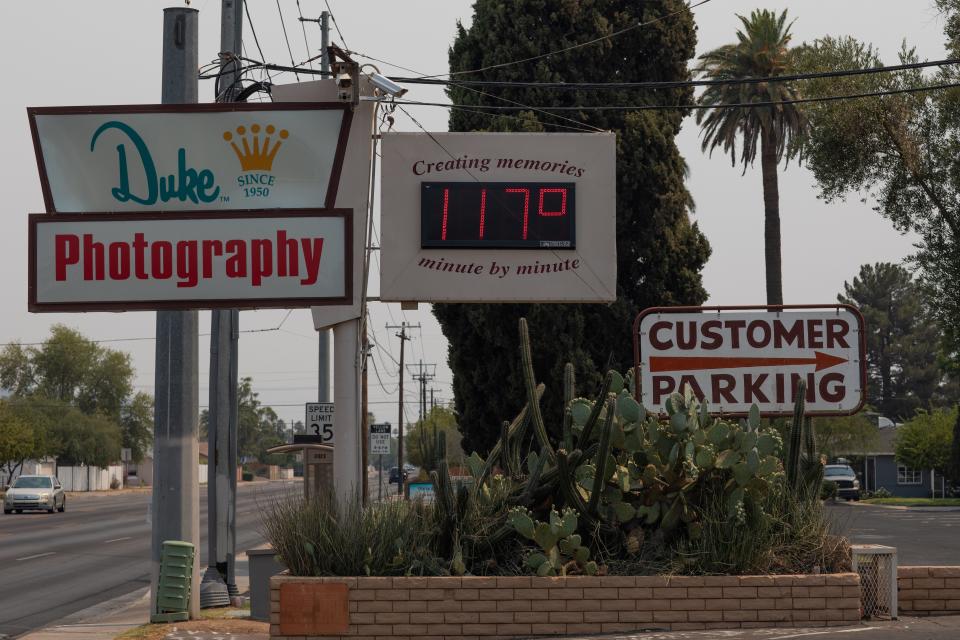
{"points": [[39, 555], [117, 539]]}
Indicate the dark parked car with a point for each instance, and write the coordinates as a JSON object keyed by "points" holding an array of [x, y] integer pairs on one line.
{"points": [[395, 475]]}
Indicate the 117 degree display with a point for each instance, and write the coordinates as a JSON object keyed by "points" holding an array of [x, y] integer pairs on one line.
{"points": [[498, 215]]}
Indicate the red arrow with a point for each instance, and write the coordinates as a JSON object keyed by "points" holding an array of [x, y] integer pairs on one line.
{"points": [[700, 363]]}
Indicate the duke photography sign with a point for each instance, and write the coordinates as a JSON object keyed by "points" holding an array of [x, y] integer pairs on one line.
{"points": [[734, 359], [189, 157], [120, 262], [492, 217]]}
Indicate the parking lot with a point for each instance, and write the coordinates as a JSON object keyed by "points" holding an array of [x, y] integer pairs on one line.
{"points": [[921, 536]]}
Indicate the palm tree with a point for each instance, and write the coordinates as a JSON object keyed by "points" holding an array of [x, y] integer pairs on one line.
{"points": [[761, 51]]}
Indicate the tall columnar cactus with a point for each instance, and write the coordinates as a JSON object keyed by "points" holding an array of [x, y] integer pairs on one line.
{"points": [[803, 466]]}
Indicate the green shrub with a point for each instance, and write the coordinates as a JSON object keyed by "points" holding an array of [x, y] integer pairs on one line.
{"points": [[828, 490], [317, 538], [881, 493], [247, 476]]}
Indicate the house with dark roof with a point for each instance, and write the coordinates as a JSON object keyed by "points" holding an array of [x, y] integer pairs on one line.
{"points": [[879, 468]]}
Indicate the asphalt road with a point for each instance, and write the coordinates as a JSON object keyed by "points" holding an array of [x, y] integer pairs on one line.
{"points": [[52, 565], [921, 537]]}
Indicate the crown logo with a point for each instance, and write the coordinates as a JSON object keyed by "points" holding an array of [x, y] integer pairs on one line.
{"points": [[254, 155]]}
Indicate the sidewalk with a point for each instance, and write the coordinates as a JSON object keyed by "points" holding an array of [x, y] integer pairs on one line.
{"points": [[123, 615]]}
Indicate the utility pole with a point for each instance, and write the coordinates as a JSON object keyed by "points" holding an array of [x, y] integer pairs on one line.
{"points": [[423, 377], [403, 326], [224, 339], [323, 366], [364, 410], [176, 489]]}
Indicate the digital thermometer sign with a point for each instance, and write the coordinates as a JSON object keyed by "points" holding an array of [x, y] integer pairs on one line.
{"points": [[497, 215]]}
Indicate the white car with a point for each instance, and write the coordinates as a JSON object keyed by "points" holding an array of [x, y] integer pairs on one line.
{"points": [[843, 475], [35, 493]]}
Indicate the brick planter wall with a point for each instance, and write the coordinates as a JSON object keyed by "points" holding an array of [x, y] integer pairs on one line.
{"points": [[925, 591], [441, 608]]}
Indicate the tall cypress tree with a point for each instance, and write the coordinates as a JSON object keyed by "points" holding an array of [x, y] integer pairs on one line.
{"points": [[660, 253]]}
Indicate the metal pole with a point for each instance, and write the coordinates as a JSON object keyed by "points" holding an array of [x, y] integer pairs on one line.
{"points": [[325, 41], [403, 341], [222, 423], [347, 456], [176, 487], [380, 478], [323, 361], [364, 412]]}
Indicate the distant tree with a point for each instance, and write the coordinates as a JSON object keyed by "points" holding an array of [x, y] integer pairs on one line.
{"points": [[923, 442], [257, 424], [421, 439], [845, 435], [81, 439], [660, 252], [77, 396], [17, 440], [900, 331], [901, 152], [136, 424], [70, 368], [762, 50]]}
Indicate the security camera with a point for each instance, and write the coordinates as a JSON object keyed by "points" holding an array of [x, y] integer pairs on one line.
{"points": [[344, 86], [386, 85]]}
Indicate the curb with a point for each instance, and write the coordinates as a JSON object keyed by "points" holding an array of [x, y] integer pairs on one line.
{"points": [[897, 507]]}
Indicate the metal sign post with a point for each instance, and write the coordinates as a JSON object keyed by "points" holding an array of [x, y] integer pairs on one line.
{"points": [[380, 446]]}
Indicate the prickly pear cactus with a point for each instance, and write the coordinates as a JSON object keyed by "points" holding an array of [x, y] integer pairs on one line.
{"points": [[561, 549]]}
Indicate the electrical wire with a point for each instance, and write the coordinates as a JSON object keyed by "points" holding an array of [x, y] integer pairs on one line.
{"points": [[676, 84], [336, 26], [306, 43], [581, 126], [609, 36], [253, 30], [283, 24], [279, 327], [700, 107]]}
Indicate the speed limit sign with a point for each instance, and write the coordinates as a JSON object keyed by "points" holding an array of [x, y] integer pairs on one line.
{"points": [[319, 423]]}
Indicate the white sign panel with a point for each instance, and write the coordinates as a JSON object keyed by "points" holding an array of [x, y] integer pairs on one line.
{"points": [[735, 359], [148, 261], [320, 422], [498, 217], [380, 439], [189, 157]]}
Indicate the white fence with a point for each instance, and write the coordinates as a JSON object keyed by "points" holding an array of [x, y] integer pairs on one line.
{"points": [[89, 478]]}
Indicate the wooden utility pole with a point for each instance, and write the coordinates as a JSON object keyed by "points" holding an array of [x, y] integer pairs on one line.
{"points": [[403, 326]]}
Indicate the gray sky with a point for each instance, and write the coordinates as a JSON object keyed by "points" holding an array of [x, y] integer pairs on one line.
{"points": [[64, 52]]}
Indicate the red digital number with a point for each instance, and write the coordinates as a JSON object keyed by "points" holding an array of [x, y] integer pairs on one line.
{"points": [[483, 210], [526, 207], [563, 202], [446, 209]]}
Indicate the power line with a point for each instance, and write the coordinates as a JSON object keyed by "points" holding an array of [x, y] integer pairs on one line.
{"points": [[676, 84], [699, 107], [335, 24], [253, 30], [283, 24], [501, 65], [279, 327], [306, 43]]}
